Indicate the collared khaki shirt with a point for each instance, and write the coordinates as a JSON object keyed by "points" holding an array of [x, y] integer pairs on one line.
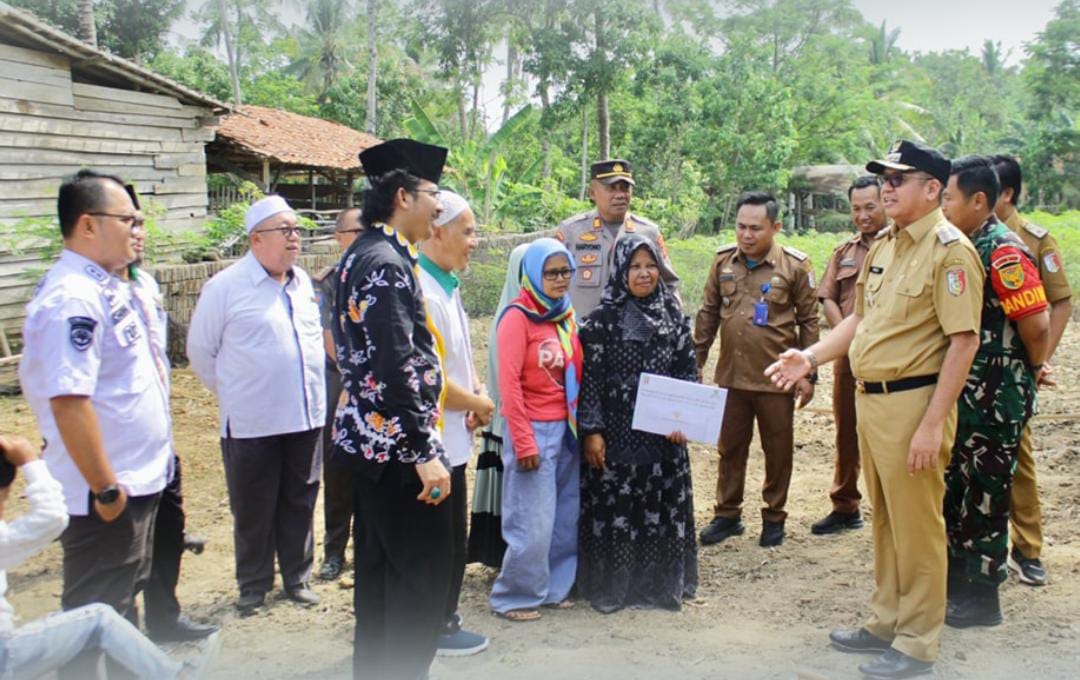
{"points": [[838, 283], [592, 243], [918, 286], [731, 291], [1047, 255]]}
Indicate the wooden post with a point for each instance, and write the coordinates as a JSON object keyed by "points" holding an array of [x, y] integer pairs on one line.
{"points": [[266, 175], [311, 185], [349, 190]]}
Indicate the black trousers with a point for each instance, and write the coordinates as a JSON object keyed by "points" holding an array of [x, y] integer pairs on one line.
{"points": [[402, 553], [273, 483], [459, 548], [337, 479], [107, 562], [162, 607]]}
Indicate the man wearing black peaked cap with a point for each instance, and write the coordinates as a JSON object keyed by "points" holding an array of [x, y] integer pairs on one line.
{"points": [[387, 429]]}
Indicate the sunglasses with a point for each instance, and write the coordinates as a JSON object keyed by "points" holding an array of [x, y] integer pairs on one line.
{"points": [[896, 181], [556, 274]]}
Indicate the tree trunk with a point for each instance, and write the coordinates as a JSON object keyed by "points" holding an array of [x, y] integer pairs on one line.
{"points": [[373, 68], [584, 151], [604, 139], [545, 141], [508, 86], [474, 115], [230, 52], [87, 25], [461, 110]]}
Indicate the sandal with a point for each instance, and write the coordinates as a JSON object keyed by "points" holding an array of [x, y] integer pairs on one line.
{"points": [[519, 615], [565, 604]]}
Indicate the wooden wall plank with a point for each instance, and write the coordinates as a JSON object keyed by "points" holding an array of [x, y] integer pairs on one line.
{"points": [[71, 128], [24, 107], [9, 156], [15, 210], [176, 160], [36, 92], [53, 77], [113, 94], [23, 140], [34, 57]]}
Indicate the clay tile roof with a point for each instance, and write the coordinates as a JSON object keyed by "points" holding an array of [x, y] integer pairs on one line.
{"points": [[292, 139]]}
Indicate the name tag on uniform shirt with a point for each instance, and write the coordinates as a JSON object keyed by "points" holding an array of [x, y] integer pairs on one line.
{"points": [[877, 270]]}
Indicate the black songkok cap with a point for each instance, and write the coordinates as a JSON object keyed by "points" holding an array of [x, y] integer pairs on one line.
{"points": [[906, 156], [416, 158]]}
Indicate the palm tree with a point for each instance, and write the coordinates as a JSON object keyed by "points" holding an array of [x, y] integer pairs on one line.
{"points": [[993, 59], [325, 43], [883, 44]]}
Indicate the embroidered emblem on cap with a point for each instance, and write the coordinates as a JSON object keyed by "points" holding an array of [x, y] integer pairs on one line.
{"points": [[956, 281], [81, 332], [617, 167]]}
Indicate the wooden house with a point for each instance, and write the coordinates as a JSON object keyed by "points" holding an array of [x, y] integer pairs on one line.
{"points": [[65, 105]]}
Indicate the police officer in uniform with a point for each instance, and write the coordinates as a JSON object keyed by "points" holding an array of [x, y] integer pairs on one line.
{"points": [[762, 298], [912, 338], [90, 372], [1025, 513], [837, 294], [337, 482], [591, 236], [997, 401]]}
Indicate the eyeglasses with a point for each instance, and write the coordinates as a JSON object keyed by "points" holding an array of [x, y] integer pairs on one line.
{"points": [[556, 274], [434, 192], [896, 181], [132, 222], [285, 231], [349, 231]]}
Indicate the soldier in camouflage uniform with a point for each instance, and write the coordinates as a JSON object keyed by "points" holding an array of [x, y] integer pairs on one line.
{"points": [[997, 400]]}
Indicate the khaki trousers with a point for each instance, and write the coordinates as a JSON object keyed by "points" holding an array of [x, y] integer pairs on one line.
{"points": [[774, 414], [1024, 512], [910, 548], [845, 489]]}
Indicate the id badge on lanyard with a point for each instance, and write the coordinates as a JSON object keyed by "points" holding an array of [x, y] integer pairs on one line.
{"points": [[761, 308]]}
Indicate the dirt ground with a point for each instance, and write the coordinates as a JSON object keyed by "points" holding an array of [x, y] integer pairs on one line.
{"points": [[762, 613]]}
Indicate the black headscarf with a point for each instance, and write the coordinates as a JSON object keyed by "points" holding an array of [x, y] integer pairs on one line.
{"points": [[640, 318]]}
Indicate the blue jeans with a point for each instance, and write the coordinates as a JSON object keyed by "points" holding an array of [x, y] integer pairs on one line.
{"points": [[49, 643], [540, 511]]}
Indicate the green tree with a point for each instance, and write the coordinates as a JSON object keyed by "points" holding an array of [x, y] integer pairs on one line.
{"points": [[326, 46], [133, 29]]}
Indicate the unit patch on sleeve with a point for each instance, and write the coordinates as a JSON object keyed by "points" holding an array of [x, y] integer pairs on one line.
{"points": [[81, 332], [956, 281], [1052, 261]]}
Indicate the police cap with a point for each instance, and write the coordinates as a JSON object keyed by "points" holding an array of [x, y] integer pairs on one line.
{"points": [[906, 156], [613, 170]]}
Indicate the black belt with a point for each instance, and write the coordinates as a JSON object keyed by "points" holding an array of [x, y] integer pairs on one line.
{"points": [[895, 385]]}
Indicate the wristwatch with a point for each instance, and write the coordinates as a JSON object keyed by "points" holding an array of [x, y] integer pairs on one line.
{"points": [[108, 495]]}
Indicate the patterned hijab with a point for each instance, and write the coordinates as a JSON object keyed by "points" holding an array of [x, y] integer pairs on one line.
{"points": [[640, 318], [539, 308]]}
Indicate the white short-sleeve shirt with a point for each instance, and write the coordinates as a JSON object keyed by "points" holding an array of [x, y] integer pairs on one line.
{"points": [[450, 319], [84, 336]]}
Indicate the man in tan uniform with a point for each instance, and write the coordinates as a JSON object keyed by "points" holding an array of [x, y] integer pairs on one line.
{"points": [[912, 338], [591, 236], [837, 295], [761, 297], [1025, 513]]}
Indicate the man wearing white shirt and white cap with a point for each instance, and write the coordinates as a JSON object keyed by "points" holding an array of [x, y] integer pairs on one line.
{"points": [[255, 341], [452, 241]]}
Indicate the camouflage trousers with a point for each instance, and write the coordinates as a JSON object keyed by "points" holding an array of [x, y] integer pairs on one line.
{"points": [[977, 486]]}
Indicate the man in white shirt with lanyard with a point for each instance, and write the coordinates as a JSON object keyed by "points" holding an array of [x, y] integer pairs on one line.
{"points": [[453, 239], [255, 341], [93, 378]]}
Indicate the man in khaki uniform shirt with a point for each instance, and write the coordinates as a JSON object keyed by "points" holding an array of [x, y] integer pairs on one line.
{"points": [[837, 295], [762, 298], [1024, 509], [912, 338], [591, 236]]}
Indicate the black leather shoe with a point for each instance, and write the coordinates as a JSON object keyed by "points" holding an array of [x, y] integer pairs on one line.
{"points": [[896, 664], [331, 568], [978, 606], [772, 534], [835, 522], [858, 641], [721, 528], [303, 595], [181, 630], [250, 600]]}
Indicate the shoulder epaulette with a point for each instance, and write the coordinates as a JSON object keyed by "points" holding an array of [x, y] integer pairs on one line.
{"points": [[729, 247], [884, 233], [949, 234], [854, 239], [577, 218], [644, 220], [1035, 230], [796, 253]]}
